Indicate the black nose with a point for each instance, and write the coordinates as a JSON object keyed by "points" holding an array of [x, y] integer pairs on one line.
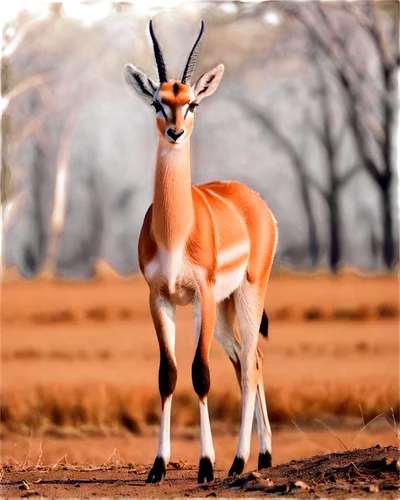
{"points": [[173, 134]]}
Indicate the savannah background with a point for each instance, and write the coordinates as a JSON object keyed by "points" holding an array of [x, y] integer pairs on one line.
{"points": [[305, 115]]}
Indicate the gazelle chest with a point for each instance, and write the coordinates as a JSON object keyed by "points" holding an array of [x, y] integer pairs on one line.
{"points": [[173, 274], [176, 276]]}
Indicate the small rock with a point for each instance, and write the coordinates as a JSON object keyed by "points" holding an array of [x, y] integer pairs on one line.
{"points": [[389, 487], [178, 465], [211, 495], [392, 465], [239, 483], [254, 475], [261, 485], [383, 465], [30, 494], [140, 471], [24, 486], [301, 485], [77, 485], [279, 488], [372, 488]]}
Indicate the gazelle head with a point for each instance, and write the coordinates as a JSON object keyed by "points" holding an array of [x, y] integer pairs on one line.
{"points": [[174, 101]]}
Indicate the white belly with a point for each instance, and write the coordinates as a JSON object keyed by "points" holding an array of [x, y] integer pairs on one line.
{"points": [[227, 282], [180, 276]]}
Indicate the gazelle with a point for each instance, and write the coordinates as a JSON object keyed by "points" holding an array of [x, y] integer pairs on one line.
{"points": [[210, 245]]}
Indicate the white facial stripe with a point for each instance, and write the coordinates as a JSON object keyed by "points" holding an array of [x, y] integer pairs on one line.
{"points": [[185, 107], [164, 106]]}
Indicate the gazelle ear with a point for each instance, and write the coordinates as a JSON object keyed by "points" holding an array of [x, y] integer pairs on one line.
{"points": [[143, 85], [208, 83]]}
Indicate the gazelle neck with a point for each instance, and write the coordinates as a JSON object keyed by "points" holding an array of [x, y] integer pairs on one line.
{"points": [[172, 204]]}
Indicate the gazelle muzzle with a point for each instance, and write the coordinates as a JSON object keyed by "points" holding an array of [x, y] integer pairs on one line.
{"points": [[174, 134]]}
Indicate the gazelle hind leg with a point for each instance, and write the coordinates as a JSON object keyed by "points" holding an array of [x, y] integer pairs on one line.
{"points": [[263, 425], [225, 335], [249, 310]]}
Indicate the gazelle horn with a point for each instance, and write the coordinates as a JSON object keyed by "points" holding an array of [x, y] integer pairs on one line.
{"points": [[191, 62], [162, 72]]}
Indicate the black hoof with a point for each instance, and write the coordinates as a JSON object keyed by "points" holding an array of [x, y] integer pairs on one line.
{"points": [[157, 473], [237, 466], [264, 460], [206, 471]]}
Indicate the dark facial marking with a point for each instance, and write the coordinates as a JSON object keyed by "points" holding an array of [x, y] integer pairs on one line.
{"points": [[175, 88], [173, 113], [157, 106]]}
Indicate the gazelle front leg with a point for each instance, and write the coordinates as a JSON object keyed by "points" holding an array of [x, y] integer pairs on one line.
{"points": [[163, 314], [204, 314]]}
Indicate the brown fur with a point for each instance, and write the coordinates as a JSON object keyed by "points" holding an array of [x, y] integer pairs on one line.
{"points": [[172, 212], [170, 97], [208, 224]]}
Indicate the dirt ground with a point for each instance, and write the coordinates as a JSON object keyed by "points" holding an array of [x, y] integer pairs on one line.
{"points": [[369, 472]]}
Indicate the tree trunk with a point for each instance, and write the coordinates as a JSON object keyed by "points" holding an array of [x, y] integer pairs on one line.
{"points": [[334, 231], [390, 256], [313, 246]]}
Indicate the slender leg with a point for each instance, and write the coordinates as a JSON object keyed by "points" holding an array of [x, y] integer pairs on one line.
{"points": [[163, 313], [263, 426], [204, 313], [225, 335], [249, 310]]}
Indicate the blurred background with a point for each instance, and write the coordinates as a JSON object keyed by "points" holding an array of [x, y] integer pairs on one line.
{"points": [[306, 114]]}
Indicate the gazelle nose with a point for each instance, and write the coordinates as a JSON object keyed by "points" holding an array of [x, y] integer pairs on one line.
{"points": [[175, 134]]}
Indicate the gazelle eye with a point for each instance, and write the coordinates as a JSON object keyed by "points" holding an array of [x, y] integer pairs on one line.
{"points": [[192, 106], [157, 106]]}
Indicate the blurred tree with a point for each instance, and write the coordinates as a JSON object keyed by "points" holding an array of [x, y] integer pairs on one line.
{"points": [[55, 64]]}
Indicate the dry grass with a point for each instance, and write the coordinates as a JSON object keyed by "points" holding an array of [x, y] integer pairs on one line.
{"points": [[108, 409], [290, 297], [82, 358]]}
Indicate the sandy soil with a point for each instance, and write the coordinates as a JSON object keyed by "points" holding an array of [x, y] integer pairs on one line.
{"points": [[289, 443], [365, 472]]}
